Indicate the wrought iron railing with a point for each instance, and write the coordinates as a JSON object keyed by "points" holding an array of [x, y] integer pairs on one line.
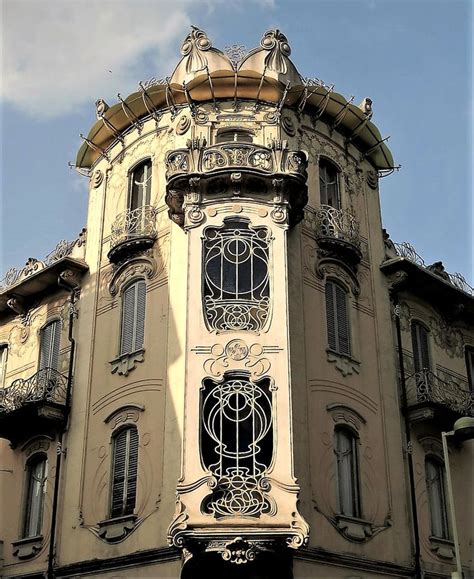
{"points": [[338, 224], [202, 159], [134, 224], [426, 386], [407, 251], [47, 385]]}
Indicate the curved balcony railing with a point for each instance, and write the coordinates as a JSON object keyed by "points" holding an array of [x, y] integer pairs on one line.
{"points": [[427, 387], [198, 158], [337, 224], [133, 228], [47, 385]]}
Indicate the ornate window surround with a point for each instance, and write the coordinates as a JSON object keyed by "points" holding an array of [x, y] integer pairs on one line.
{"points": [[346, 364], [323, 158], [28, 547], [124, 363], [117, 529], [130, 173]]}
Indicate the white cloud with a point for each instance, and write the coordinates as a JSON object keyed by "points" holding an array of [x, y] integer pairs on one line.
{"points": [[57, 54]]}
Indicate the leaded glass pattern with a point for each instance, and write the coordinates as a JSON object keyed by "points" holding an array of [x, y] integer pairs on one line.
{"points": [[236, 276], [237, 444]]}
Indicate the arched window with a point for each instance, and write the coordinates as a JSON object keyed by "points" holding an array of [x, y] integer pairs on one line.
{"points": [[435, 484], [124, 472], [36, 473], [234, 135], [50, 341], [236, 276], [329, 184], [133, 317], [337, 318], [347, 473], [140, 185], [421, 353]]}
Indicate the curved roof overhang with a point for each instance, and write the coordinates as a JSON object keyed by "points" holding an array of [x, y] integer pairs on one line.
{"points": [[265, 75]]}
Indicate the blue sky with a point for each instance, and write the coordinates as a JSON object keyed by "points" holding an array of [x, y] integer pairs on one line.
{"points": [[412, 57]]}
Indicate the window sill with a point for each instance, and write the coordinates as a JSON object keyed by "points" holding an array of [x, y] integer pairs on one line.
{"points": [[353, 528], [28, 547], [345, 364], [125, 363], [444, 548], [116, 529]]}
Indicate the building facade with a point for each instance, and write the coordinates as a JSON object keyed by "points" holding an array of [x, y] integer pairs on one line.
{"points": [[233, 369]]}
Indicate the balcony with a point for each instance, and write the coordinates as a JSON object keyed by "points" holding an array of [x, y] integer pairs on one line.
{"points": [[430, 397], [337, 234], [34, 405], [237, 169], [132, 231]]}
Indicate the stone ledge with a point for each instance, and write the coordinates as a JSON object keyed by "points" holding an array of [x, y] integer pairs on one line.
{"points": [[345, 364], [27, 547], [118, 528], [125, 363]]}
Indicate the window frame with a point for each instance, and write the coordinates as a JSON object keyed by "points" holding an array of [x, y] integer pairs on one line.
{"points": [[417, 351], [146, 195], [54, 344], [31, 463], [125, 509], [325, 163], [355, 499], [134, 315], [3, 363], [469, 361], [240, 131], [335, 326], [441, 499]]}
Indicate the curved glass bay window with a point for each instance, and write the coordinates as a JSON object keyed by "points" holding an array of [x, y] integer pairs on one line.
{"points": [[237, 444], [236, 276]]}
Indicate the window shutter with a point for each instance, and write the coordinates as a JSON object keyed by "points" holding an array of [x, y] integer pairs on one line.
{"points": [[437, 499], [140, 315], [331, 316], [343, 329], [128, 320], [36, 477], [50, 341], [124, 476], [421, 356]]}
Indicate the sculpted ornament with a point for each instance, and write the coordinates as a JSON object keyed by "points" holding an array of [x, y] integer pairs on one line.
{"points": [[183, 125], [96, 178], [288, 126], [143, 265], [195, 43], [447, 337], [278, 51], [325, 269]]}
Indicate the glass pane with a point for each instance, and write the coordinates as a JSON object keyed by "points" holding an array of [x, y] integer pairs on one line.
{"points": [[36, 478]]}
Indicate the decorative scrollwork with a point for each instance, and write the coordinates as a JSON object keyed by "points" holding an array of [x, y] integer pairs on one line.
{"points": [[132, 224], [183, 125], [195, 43], [237, 444], [47, 385], [235, 53], [236, 276], [279, 50], [426, 386], [338, 224]]}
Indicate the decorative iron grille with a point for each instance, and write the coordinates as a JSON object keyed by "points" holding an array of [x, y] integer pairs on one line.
{"points": [[236, 276], [47, 385], [337, 224], [426, 386], [133, 224], [237, 444]]}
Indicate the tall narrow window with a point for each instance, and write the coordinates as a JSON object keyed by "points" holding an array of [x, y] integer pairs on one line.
{"points": [[34, 499], [3, 363], [236, 276], [329, 184], [435, 484], [50, 341], [124, 472], [347, 471], [337, 317], [470, 366], [421, 355], [133, 317], [234, 135], [140, 185]]}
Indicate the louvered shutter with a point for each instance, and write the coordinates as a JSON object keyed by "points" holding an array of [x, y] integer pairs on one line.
{"points": [[331, 316], [140, 315], [421, 356], [128, 320], [342, 317], [49, 345], [124, 476]]}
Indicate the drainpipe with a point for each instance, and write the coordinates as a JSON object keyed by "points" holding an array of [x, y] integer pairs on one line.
{"points": [[59, 447], [409, 448]]}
